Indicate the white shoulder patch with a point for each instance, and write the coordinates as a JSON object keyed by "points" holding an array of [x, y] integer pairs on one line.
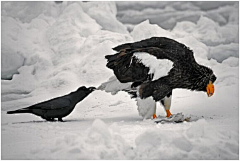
{"points": [[158, 67]]}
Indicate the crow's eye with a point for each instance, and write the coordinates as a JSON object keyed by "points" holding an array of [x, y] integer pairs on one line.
{"points": [[82, 88]]}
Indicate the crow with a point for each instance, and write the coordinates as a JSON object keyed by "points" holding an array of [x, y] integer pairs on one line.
{"points": [[57, 107]]}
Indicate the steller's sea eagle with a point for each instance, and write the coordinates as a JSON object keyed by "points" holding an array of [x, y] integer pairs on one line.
{"points": [[150, 69]]}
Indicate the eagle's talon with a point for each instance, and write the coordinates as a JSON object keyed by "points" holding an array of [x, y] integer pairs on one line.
{"points": [[168, 113], [154, 116]]}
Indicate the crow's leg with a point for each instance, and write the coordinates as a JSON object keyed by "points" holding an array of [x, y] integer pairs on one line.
{"points": [[49, 119], [60, 119], [166, 101]]}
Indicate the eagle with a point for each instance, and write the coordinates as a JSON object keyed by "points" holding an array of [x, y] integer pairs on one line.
{"points": [[151, 69]]}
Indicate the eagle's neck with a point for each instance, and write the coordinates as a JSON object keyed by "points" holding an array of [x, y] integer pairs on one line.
{"points": [[193, 77]]}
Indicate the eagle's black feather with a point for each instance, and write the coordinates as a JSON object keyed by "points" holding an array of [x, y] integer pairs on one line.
{"points": [[186, 72]]}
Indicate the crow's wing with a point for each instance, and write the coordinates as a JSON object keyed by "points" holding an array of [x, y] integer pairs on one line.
{"points": [[56, 103]]}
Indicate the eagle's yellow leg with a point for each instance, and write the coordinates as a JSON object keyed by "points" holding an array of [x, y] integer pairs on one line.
{"points": [[168, 113], [154, 116], [167, 104], [154, 112], [210, 89]]}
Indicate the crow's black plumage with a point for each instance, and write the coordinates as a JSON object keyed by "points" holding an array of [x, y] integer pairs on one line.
{"points": [[186, 72], [57, 107]]}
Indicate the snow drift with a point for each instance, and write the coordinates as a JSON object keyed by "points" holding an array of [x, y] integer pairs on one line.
{"points": [[198, 141], [168, 14]]}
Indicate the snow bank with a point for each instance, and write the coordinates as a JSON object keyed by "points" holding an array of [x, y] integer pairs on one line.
{"points": [[27, 41], [197, 141], [10, 63], [105, 15], [146, 30], [232, 62], [167, 14], [155, 144], [140, 5], [69, 32], [222, 52], [18, 84], [55, 48], [27, 11], [98, 142], [208, 32]]}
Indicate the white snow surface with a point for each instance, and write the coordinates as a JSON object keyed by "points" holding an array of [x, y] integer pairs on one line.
{"points": [[51, 49], [168, 13]]}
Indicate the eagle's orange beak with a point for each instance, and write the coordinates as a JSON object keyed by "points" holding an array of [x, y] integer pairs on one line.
{"points": [[210, 89]]}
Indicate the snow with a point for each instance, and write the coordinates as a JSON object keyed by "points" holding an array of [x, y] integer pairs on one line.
{"points": [[50, 49], [107, 145], [208, 32], [167, 14], [10, 62], [223, 52], [231, 61], [146, 30], [27, 11], [105, 15]]}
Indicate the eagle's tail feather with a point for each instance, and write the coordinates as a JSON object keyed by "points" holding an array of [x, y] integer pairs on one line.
{"points": [[111, 60], [118, 60]]}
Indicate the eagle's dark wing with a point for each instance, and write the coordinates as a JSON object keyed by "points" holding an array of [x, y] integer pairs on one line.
{"points": [[57, 103], [161, 47], [151, 42], [128, 69]]}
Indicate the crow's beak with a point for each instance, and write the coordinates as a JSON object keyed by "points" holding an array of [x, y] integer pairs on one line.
{"points": [[92, 88], [210, 89]]}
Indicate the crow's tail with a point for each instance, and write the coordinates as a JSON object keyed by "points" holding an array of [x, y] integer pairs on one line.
{"points": [[19, 111]]}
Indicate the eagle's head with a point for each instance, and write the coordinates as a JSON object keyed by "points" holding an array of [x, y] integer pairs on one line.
{"points": [[205, 81]]}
